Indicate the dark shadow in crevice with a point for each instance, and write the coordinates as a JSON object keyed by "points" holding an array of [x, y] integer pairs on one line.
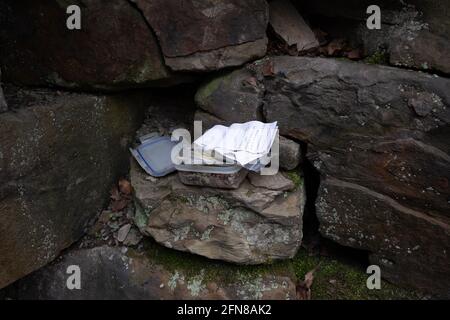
{"points": [[312, 183], [313, 242]]}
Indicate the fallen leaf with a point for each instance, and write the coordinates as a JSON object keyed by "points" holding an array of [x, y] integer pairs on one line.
{"points": [[309, 278], [125, 186], [252, 81], [119, 205], [303, 288], [268, 69], [115, 194], [335, 47]]}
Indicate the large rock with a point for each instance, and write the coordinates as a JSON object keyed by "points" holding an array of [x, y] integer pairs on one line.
{"points": [[348, 111], [124, 274], [414, 34], [247, 97], [114, 49], [59, 155], [290, 154], [290, 26], [424, 41], [208, 35], [405, 243], [249, 225], [379, 136]]}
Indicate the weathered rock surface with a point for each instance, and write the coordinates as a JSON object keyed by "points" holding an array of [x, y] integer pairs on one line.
{"points": [[249, 225], [423, 42], [275, 182], [114, 49], [383, 134], [247, 93], [405, 243], [167, 112], [126, 44], [208, 35], [390, 123], [59, 155], [3, 105], [290, 26], [123, 273], [290, 154], [413, 34]]}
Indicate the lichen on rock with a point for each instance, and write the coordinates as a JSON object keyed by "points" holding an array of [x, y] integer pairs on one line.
{"points": [[223, 224]]}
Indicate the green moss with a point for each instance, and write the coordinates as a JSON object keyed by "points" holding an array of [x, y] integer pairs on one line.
{"points": [[140, 218], [332, 280], [191, 265], [207, 90], [295, 177], [181, 198], [379, 57], [337, 280], [211, 86]]}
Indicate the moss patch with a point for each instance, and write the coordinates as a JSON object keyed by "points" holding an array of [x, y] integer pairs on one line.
{"points": [[379, 57], [337, 280], [295, 177], [211, 86], [333, 279], [191, 265], [207, 90]]}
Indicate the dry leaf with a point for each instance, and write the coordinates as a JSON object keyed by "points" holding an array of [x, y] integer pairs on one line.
{"points": [[125, 186], [252, 81], [268, 69], [309, 278], [335, 47], [119, 205], [115, 195], [303, 288]]}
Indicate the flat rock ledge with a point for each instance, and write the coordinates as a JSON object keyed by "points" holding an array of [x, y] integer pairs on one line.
{"points": [[121, 273]]}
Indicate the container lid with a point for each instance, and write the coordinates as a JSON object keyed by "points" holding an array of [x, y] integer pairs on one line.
{"points": [[154, 155]]}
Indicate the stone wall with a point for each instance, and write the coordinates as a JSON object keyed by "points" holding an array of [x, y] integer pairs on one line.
{"points": [[379, 137], [376, 129]]}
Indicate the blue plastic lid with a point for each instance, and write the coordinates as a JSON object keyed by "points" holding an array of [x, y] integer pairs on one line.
{"points": [[154, 156]]}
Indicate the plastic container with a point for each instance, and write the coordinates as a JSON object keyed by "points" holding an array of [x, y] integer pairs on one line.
{"points": [[154, 155], [225, 177]]}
